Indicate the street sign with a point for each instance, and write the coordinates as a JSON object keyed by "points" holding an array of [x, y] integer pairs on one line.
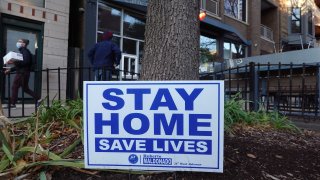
{"points": [[154, 125]]}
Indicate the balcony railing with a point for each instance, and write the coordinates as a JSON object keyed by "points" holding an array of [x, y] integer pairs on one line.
{"points": [[266, 33], [210, 6]]}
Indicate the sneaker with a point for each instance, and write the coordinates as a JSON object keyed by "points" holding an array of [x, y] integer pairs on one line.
{"points": [[39, 102], [12, 106]]}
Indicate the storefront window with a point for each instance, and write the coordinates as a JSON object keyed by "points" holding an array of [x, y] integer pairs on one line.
{"points": [[237, 51], [208, 53], [133, 26], [109, 18], [129, 35], [129, 46], [233, 51]]}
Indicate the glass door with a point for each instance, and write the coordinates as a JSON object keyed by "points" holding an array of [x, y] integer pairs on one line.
{"points": [[13, 30], [129, 66]]}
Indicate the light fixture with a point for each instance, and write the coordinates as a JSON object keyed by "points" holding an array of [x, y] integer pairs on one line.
{"points": [[202, 15]]}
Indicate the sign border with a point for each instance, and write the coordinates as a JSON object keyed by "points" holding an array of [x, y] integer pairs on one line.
{"points": [[89, 83]]}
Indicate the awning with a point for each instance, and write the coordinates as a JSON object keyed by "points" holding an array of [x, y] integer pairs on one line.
{"points": [[229, 29]]}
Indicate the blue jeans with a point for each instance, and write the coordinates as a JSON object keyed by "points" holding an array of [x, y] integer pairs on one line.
{"points": [[103, 74]]}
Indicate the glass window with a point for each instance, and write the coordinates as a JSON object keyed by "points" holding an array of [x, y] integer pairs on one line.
{"points": [[208, 49], [208, 53], [296, 20], [226, 50], [129, 46], [127, 35], [233, 51], [238, 51], [109, 19], [116, 40], [133, 26], [236, 9], [14, 35], [39, 3], [211, 6]]}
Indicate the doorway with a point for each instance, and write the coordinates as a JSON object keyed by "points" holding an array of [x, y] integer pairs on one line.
{"points": [[13, 29]]}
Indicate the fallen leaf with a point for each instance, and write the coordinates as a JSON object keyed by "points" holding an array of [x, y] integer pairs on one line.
{"points": [[290, 174], [141, 177], [272, 177], [251, 156], [232, 160]]}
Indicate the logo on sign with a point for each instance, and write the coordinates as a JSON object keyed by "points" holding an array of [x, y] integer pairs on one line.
{"points": [[133, 159]]}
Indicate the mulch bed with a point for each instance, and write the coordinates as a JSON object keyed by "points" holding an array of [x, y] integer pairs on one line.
{"points": [[250, 153]]}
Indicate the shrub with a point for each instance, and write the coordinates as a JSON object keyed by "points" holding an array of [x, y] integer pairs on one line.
{"points": [[234, 113]]}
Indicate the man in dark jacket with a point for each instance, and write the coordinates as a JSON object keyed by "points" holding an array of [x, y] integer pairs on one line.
{"points": [[103, 56], [22, 69]]}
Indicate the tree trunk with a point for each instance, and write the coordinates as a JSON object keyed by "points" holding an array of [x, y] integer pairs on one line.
{"points": [[171, 40]]}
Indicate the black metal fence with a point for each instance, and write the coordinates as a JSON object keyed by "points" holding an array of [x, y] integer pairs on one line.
{"points": [[51, 84], [292, 89]]}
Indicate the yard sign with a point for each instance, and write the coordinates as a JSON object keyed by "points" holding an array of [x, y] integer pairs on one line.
{"points": [[154, 125]]}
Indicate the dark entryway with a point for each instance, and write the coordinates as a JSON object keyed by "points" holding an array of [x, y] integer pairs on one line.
{"points": [[12, 29]]}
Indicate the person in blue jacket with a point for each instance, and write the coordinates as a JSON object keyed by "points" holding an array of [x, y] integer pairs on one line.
{"points": [[103, 56]]}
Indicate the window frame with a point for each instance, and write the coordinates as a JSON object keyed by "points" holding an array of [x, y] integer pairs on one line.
{"points": [[244, 17], [203, 6], [293, 21], [121, 36], [230, 45]]}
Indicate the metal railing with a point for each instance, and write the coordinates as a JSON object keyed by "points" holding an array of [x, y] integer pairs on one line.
{"points": [[54, 84], [266, 32], [292, 89]]}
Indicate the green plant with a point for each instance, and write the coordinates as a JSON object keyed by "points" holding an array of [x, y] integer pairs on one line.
{"points": [[29, 148], [282, 122], [234, 113]]}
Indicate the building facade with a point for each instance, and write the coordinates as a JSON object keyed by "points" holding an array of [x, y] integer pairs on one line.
{"points": [[232, 28], [45, 23]]}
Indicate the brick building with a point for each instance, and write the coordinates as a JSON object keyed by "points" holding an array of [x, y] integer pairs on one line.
{"points": [[46, 25], [231, 29]]}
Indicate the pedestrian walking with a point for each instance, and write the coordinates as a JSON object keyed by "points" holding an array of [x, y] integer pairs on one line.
{"points": [[22, 69], [104, 56]]}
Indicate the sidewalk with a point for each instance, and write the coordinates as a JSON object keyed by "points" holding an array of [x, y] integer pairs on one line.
{"points": [[307, 122], [18, 113], [308, 125]]}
